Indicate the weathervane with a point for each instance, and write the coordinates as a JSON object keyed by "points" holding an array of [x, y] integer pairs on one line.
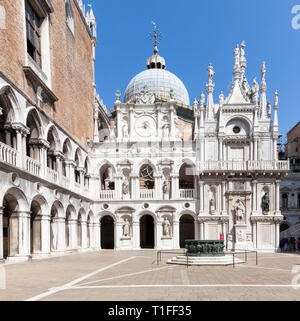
{"points": [[156, 35]]}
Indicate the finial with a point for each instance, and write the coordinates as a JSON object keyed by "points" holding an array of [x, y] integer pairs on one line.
{"points": [[255, 89], [195, 104], [276, 99], [156, 35], [221, 98], [263, 71], [269, 108], [202, 99], [118, 95]]}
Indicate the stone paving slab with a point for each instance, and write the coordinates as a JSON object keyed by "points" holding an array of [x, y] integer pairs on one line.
{"points": [[134, 275]]}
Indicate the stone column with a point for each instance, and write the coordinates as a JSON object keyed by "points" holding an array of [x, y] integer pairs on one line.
{"points": [[1, 233], [277, 197], [136, 235], [19, 232], [158, 188], [118, 187], [220, 149], [277, 235], [61, 233], [201, 196], [201, 230], [255, 146], [118, 234], [254, 232], [224, 210], [175, 186], [158, 233], [131, 120], [97, 236], [254, 196], [83, 234], [96, 130], [73, 234], [45, 233], [19, 148], [8, 137], [176, 234]]}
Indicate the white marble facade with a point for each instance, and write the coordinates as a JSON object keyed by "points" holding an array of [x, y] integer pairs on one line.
{"points": [[140, 184]]}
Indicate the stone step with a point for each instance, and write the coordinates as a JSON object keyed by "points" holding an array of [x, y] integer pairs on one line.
{"points": [[223, 260]]}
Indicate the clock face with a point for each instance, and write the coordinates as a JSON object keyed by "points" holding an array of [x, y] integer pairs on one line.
{"points": [[145, 126]]}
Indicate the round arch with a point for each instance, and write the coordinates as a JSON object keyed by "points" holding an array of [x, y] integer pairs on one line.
{"points": [[186, 227]]}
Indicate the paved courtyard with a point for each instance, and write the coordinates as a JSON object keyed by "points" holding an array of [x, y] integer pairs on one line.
{"points": [[134, 275]]}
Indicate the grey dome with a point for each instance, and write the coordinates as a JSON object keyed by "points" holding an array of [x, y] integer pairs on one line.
{"points": [[158, 82]]}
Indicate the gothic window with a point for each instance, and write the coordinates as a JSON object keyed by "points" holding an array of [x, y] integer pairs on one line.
{"points": [[33, 30], [69, 16], [284, 201]]}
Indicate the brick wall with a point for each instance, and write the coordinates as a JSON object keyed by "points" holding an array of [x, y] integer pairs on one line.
{"points": [[72, 71]]}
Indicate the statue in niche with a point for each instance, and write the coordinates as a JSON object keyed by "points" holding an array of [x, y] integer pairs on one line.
{"points": [[166, 187], [239, 211], [166, 131], [126, 228], [125, 186], [166, 227], [212, 205], [265, 204], [125, 130]]}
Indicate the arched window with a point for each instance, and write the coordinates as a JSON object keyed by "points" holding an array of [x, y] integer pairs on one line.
{"points": [[284, 201], [69, 16], [146, 177]]}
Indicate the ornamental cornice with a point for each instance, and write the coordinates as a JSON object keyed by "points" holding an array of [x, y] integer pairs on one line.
{"points": [[18, 127], [266, 218], [210, 218]]}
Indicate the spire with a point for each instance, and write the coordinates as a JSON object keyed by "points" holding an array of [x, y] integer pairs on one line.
{"points": [[221, 99], [155, 61], [263, 90], [196, 115], [236, 67], [275, 120], [210, 86], [243, 61]]}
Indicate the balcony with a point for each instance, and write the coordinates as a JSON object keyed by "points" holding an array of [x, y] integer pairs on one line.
{"points": [[147, 194], [32, 166], [8, 154], [107, 194], [52, 175], [251, 165], [186, 193]]}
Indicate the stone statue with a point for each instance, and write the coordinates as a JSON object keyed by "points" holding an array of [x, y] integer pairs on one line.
{"points": [[126, 228], [255, 89], [211, 73], [167, 227], [212, 205], [166, 187], [236, 55], [125, 130], [265, 203], [125, 186], [239, 211]]}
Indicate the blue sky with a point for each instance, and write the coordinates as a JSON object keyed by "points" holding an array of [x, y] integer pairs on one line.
{"points": [[197, 32]]}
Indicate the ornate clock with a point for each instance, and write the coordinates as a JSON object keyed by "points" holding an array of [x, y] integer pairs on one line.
{"points": [[145, 126]]}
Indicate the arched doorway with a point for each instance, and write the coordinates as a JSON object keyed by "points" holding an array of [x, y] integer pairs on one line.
{"points": [[107, 233], [79, 231], [186, 229], [53, 229], [147, 232]]}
